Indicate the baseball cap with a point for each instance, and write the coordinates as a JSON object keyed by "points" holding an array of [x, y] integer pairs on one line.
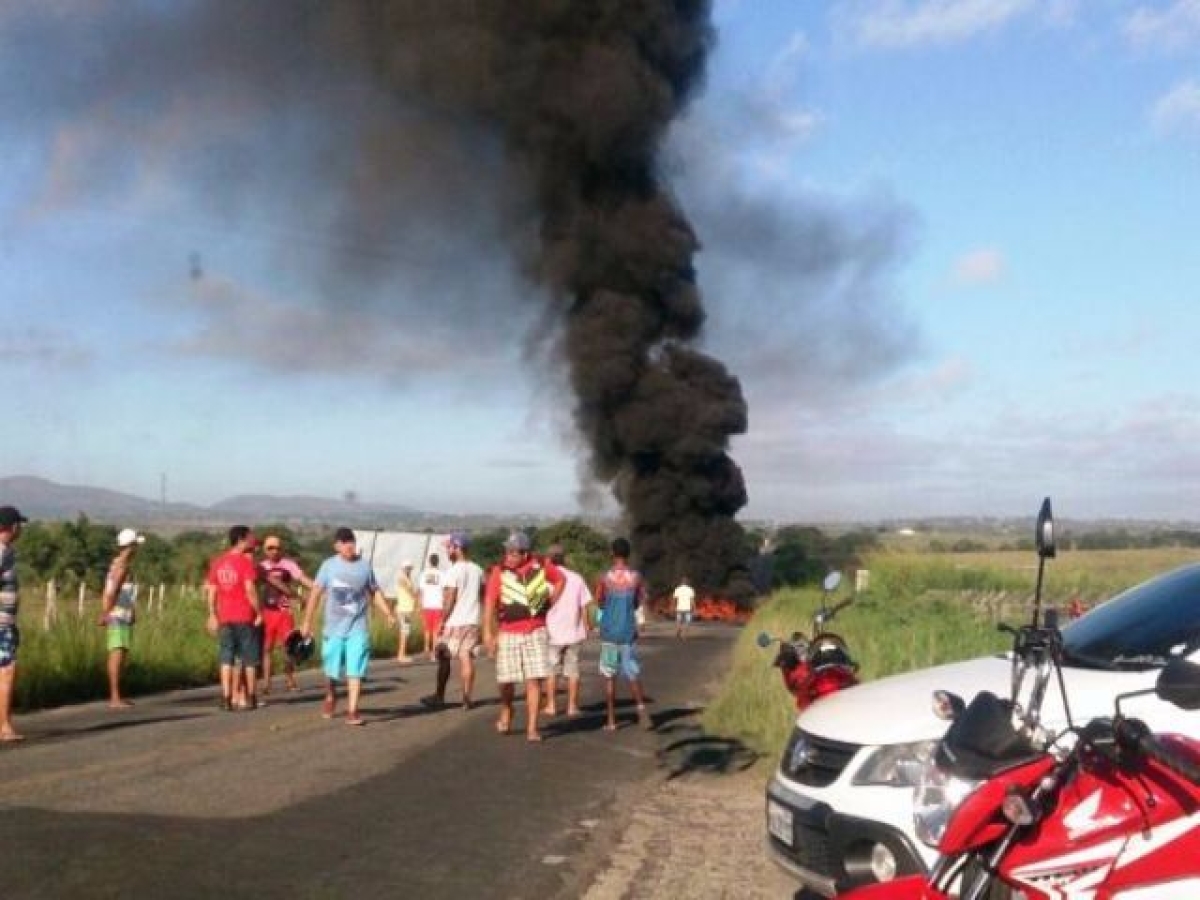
{"points": [[459, 539], [344, 536], [518, 540], [128, 536], [10, 516]]}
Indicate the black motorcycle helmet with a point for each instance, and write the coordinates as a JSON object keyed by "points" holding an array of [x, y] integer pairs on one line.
{"points": [[298, 647]]}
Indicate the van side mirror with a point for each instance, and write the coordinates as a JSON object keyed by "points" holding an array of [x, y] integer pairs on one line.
{"points": [[1179, 683], [1044, 538]]}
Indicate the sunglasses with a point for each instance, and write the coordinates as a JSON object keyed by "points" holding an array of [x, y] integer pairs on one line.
{"points": [[271, 547]]}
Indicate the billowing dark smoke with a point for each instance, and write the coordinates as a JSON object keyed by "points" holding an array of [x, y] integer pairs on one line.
{"points": [[591, 89], [583, 94], [437, 126]]}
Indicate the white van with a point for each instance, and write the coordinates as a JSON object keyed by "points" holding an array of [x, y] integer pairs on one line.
{"points": [[839, 808]]}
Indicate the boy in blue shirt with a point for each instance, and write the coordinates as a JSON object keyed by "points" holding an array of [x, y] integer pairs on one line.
{"points": [[619, 594]]}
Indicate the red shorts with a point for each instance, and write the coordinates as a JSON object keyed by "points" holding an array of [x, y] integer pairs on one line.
{"points": [[432, 619], [277, 625]]}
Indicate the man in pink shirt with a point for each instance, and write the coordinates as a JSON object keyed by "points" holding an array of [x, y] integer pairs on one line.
{"points": [[282, 579], [567, 626]]}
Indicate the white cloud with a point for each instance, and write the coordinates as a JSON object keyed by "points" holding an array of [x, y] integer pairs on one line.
{"points": [[1171, 29], [1178, 110], [979, 267], [901, 24]]}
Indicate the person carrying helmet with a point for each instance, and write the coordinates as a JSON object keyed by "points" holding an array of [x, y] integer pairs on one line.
{"points": [[281, 579], [519, 593], [346, 584]]}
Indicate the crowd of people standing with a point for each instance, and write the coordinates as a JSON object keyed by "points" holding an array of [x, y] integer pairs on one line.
{"points": [[531, 612]]}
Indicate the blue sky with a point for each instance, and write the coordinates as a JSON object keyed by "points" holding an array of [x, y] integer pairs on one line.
{"points": [[946, 247]]}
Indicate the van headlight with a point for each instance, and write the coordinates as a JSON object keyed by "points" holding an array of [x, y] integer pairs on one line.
{"points": [[896, 765], [934, 801]]}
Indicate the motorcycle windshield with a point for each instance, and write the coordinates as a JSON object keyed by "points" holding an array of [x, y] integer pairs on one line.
{"points": [[1140, 628]]}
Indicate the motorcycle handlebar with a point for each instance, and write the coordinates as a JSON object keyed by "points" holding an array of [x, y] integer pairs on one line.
{"points": [[1134, 733]]}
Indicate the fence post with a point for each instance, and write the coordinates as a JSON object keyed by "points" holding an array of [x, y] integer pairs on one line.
{"points": [[82, 596], [50, 614], [162, 595]]}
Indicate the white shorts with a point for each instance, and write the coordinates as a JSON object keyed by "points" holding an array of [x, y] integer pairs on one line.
{"points": [[565, 660]]}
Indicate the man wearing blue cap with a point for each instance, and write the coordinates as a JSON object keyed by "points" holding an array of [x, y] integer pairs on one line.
{"points": [[458, 637]]}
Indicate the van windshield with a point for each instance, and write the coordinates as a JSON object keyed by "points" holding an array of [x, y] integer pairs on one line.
{"points": [[1140, 628]]}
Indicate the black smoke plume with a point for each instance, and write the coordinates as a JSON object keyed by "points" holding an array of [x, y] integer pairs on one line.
{"points": [[535, 125]]}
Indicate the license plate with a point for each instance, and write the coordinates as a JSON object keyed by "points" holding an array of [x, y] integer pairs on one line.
{"points": [[779, 822]]}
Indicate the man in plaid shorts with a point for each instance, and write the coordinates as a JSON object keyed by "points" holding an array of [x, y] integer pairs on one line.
{"points": [[519, 593]]}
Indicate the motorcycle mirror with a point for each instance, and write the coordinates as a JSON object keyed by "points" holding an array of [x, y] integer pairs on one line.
{"points": [[831, 582], [1179, 683], [1044, 537], [763, 640]]}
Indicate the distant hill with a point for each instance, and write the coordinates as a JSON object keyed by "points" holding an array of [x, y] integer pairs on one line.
{"points": [[40, 498]]}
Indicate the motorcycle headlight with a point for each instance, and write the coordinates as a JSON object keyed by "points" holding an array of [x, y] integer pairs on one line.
{"points": [[896, 765], [934, 801]]}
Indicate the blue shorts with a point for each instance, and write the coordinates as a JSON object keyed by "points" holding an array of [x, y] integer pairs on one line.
{"points": [[10, 640], [684, 617], [621, 658], [350, 654], [239, 642]]}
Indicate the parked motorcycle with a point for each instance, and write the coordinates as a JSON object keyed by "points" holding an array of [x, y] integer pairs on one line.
{"points": [[819, 664], [1116, 815], [1103, 812]]}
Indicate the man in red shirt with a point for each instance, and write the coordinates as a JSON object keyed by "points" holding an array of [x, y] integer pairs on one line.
{"points": [[519, 594], [234, 615]]}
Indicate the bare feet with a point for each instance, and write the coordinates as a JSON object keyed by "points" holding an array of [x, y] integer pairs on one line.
{"points": [[534, 737], [644, 718], [610, 726], [353, 718], [503, 725], [328, 708], [10, 737], [119, 704]]}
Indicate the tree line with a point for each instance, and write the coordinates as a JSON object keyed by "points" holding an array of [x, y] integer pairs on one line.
{"points": [[72, 552]]}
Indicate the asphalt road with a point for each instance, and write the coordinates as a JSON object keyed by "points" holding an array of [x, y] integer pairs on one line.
{"points": [[176, 799]]}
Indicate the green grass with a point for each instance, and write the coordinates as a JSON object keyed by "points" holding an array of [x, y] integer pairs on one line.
{"points": [[922, 609], [885, 637]]}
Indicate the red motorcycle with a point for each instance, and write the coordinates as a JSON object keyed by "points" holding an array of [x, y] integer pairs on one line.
{"points": [[1016, 812], [1114, 817], [812, 667]]}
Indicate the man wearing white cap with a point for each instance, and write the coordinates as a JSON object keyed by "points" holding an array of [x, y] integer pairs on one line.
{"points": [[117, 613]]}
